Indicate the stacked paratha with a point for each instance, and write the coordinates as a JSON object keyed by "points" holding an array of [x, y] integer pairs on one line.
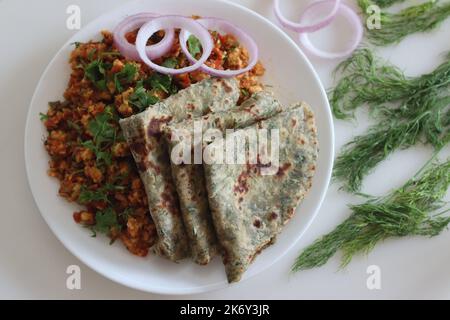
{"points": [[143, 133], [189, 177], [251, 202], [204, 207]]}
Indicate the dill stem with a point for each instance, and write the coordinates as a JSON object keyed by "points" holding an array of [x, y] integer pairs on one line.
{"points": [[396, 26], [408, 110], [407, 211]]}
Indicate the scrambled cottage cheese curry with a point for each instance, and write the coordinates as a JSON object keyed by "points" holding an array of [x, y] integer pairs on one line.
{"points": [[110, 141]]}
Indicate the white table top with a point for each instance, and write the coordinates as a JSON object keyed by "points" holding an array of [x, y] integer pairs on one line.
{"points": [[33, 262]]}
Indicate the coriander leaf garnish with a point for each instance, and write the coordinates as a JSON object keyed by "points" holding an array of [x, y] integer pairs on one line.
{"points": [[125, 76], [76, 44], [43, 116], [102, 157], [162, 82], [109, 54], [105, 220], [95, 71], [128, 212], [74, 126], [91, 54], [87, 196], [141, 98], [104, 135], [100, 194], [170, 63], [101, 128], [194, 45], [408, 211]]}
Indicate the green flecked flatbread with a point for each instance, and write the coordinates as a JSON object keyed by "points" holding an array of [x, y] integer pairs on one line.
{"points": [[143, 133], [250, 208], [188, 177]]}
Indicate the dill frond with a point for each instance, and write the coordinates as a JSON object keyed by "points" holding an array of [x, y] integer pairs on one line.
{"points": [[410, 110], [363, 153], [386, 3], [430, 124], [396, 26], [407, 211], [369, 80]]}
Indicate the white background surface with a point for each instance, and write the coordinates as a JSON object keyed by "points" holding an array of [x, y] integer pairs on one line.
{"points": [[33, 262]]}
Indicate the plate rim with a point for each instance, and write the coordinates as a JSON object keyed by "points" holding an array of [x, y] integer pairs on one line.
{"points": [[216, 285]]}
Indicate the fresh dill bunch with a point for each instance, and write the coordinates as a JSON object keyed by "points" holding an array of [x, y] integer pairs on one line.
{"points": [[427, 122], [411, 210], [410, 110], [366, 79], [396, 26], [365, 152], [385, 3]]}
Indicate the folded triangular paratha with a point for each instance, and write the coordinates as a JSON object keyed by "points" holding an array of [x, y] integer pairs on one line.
{"points": [[143, 133], [188, 177], [251, 202]]}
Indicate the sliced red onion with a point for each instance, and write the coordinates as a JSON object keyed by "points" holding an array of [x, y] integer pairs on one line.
{"points": [[174, 22], [226, 27], [349, 14], [299, 27], [134, 22]]}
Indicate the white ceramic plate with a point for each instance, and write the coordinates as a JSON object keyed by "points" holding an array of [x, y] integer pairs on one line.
{"points": [[292, 77]]}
